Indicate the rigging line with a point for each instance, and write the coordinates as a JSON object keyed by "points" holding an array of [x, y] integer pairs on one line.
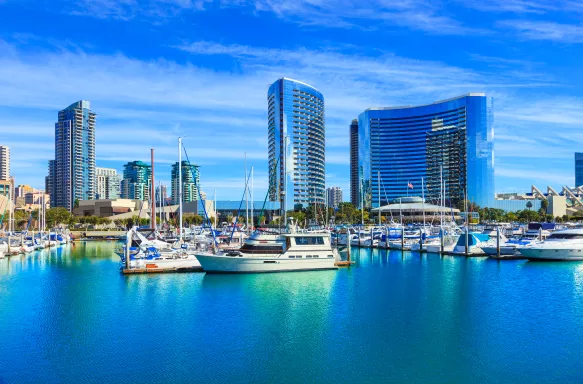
{"points": [[240, 205]]}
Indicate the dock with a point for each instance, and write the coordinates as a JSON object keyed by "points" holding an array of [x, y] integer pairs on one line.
{"points": [[137, 271]]}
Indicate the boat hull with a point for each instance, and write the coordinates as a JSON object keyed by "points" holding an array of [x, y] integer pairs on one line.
{"points": [[504, 250], [552, 254], [165, 263], [242, 264]]}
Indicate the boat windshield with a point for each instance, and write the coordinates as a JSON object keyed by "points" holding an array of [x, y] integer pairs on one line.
{"points": [[565, 236]]}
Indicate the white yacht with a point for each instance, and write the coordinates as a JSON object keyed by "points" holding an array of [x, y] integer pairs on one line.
{"points": [[274, 253], [560, 245]]}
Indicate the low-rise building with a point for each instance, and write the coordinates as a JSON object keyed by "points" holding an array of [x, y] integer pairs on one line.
{"points": [[107, 208]]}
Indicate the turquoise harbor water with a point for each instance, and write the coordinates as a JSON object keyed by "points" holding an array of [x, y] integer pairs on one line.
{"points": [[69, 316]]}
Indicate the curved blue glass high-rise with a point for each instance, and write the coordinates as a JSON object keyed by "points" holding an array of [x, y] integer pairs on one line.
{"points": [[296, 114], [449, 140]]}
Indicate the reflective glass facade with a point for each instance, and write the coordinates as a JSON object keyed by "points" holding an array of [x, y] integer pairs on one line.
{"points": [[354, 174], [74, 167], [578, 169], [453, 138], [137, 178], [296, 112], [190, 182]]}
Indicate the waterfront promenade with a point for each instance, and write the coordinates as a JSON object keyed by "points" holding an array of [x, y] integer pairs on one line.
{"points": [[67, 315]]}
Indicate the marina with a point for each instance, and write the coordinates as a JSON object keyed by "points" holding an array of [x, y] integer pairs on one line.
{"points": [[72, 315]]}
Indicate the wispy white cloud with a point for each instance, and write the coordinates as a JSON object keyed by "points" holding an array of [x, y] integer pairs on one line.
{"points": [[516, 6], [423, 15], [545, 30]]}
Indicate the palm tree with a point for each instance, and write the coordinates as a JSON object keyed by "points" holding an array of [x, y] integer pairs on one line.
{"points": [[529, 205]]}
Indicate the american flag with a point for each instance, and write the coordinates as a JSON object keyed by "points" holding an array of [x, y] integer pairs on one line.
{"points": [[410, 185]]}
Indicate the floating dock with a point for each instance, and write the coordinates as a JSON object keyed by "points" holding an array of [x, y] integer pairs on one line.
{"points": [[137, 271]]}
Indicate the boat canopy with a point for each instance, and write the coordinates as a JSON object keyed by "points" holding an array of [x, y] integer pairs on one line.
{"points": [[473, 239]]}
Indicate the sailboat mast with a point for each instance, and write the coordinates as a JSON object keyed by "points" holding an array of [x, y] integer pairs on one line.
{"points": [[441, 199], [160, 199], [215, 208], [153, 193], [423, 202], [252, 220], [284, 182], [362, 202], [180, 187], [246, 199], [379, 194]]}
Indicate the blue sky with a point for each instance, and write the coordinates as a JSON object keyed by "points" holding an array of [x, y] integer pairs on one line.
{"points": [[154, 70]]}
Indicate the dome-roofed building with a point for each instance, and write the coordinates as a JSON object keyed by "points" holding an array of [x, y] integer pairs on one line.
{"points": [[412, 208]]}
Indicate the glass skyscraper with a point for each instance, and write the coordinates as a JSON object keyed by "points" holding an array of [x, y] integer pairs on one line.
{"points": [[73, 174], [190, 182], [296, 128], [449, 140], [354, 179], [137, 179], [578, 169]]}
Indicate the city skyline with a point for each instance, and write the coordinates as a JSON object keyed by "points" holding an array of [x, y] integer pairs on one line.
{"points": [[194, 77]]}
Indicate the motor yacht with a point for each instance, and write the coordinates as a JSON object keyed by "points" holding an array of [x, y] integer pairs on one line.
{"points": [[560, 245], [275, 253]]}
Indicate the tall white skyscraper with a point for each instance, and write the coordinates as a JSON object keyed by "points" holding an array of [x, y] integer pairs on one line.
{"points": [[334, 195], [4, 162], [74, 167], [297, 143]]}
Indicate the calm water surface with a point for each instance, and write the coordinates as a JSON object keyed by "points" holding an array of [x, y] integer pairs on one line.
{"points": [[69, 316]]}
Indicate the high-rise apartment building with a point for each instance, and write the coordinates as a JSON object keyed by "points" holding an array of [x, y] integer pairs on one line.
{"points": [[449, 140], [4, 162], [354, 178], [74, 165], [50, 180], [107, 183], [334, 196], [297, 141], [190, 182], [137, 179], [162, 193], [578, 169]]}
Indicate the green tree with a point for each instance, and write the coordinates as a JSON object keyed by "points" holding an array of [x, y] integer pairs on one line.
{"points": [[510, 217], [544, 205], [298, 216], [57, 215]]}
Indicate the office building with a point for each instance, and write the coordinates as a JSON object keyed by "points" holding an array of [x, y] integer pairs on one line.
{"points": [[136, 182], [21, 190], [4, 162], [162, 195], [107, 183], [578, 169], [334, 196], [407, 147], [354, 178], [74, 166], [190, 182], [296, 128]]}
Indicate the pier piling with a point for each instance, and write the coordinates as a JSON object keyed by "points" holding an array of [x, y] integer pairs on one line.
{"points": [[498, 241]]}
